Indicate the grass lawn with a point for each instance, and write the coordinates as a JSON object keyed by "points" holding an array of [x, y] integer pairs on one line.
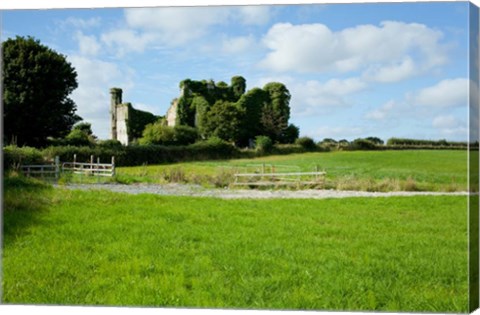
{"points": [[432, 170], [102, 248]]}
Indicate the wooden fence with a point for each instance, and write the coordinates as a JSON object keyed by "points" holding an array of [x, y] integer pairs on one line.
{"points": [[90, 169], [54, 170], [43, 171], [278, 175]]}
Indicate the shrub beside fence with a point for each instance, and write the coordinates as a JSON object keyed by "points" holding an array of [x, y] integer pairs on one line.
{"points": [[124, 156], [14, 156]]}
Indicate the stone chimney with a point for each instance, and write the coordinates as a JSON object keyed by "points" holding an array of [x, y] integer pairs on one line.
{"points": [[115, 99]]}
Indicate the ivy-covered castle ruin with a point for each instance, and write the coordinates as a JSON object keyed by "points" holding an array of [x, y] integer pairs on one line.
{"points": [[229, 112], [127, 123]]}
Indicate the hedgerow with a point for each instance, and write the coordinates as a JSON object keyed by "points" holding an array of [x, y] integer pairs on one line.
{"points": [[14, 156]]}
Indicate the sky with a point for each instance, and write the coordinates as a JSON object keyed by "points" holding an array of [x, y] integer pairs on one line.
{"points": [[353, 70]]}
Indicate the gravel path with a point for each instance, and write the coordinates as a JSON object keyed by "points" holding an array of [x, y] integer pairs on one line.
{"points": [[199, 191]]}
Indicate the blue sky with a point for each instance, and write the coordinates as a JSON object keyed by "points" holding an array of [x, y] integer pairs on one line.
{"points": [[354, 70]]}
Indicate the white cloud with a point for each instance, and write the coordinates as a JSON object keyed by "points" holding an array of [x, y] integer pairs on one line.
{"points": [[95, 78], [254, 15], [123, 41], [450, 126], [236, 45], [176, 25], [394, 72], [82, 23], [445, 94], [419, 105], [168, 26], [88, 45], [398, 46], [302, 48], [445, 122], [343, 86], [383, 112], [313, 97]]}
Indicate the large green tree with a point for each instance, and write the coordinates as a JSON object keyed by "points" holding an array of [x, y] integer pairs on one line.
{"points": [[224, 120], [276, 113], [279, 99], [252, 104], [37, 82]]}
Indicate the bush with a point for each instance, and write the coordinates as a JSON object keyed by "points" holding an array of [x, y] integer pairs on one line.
{"points": [[66, 153], [425, 143], [146, 154], [375, 140], [14, 156], [343, 143], [110, 144], [213, 148], [161, 134], [328, 144], [363, 144], [307, 143], [282, 149], [78, 137], [328, 141], [263, 144], [157, 133], [184, 135], [290, 134]]}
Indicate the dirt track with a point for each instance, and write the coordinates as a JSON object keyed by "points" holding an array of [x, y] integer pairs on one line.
{"points": [[199, 191]]}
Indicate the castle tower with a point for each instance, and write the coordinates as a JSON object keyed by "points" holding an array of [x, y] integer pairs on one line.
{"points": [[115, 99]]}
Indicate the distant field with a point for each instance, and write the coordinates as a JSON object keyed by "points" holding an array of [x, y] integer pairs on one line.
{"points": [[433, 170], [101, 248]]}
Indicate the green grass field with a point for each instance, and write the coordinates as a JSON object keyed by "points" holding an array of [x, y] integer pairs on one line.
{"points": [[101, 248], [428, 170]]}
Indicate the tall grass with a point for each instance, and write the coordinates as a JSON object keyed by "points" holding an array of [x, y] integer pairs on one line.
{"points": [[359, 170], [101, 248]]}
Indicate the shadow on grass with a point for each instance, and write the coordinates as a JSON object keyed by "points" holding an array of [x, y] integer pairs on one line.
{"points": [[24, 200]]}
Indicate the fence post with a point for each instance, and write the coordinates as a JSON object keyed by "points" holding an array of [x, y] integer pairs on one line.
{"points": [[91, 164], [113, 165], [98, 167], [57, 167], [74, 161]]}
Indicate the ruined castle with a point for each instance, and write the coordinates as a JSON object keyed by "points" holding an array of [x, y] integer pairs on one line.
{"points": [[189, 109], [127, 123]]}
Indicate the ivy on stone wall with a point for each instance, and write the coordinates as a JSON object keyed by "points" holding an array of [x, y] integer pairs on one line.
{"points": [[185, 113], [137, 120]]}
